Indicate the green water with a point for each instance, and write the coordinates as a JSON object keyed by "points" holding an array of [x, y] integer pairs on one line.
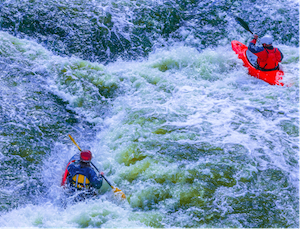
{"points": [[154, 90]]}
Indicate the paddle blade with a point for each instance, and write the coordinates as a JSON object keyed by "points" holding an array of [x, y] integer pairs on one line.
{"points": [[243, 24], [118, 192]]}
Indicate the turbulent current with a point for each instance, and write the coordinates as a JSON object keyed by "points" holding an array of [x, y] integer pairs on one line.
{"points": [[170, 114]]}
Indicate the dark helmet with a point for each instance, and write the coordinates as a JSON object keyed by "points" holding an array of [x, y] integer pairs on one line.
{"points": [[85, 156]]}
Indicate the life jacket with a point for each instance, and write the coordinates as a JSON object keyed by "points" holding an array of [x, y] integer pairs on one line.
{"points": [[270, 63], [80, 181]]}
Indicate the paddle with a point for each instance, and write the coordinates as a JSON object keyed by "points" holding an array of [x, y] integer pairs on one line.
{"points": [[116, 190], [243, 24]]}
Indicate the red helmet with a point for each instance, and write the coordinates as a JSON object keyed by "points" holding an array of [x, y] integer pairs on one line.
{"points": [[85, 156]]}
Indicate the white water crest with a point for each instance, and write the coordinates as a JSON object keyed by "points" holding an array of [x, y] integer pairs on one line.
{"points": [[185, 132]]}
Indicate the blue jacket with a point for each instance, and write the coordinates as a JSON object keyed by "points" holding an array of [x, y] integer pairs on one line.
{"points": [[87, 171]]}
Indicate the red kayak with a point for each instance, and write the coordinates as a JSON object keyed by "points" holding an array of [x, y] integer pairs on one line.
{"points": [[249, 59]]}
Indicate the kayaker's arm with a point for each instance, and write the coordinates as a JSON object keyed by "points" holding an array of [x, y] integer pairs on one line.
{"points": [[252, 46], [255, 49], [281, 55], [96, 181]]}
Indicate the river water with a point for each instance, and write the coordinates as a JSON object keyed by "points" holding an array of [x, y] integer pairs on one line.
{"points": [[170, 114]]}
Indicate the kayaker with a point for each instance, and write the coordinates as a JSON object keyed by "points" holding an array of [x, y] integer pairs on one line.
{"points": [[268, 57], [81, 175]]}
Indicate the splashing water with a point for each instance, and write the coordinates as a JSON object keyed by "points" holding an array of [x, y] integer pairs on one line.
{"points": [[154, 90]]}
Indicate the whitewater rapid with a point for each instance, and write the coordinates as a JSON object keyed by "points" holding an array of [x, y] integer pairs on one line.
{"points": [[168, 110]]}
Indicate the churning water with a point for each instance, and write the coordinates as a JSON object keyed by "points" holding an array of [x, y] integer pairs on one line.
{"points": [[154, 90]]}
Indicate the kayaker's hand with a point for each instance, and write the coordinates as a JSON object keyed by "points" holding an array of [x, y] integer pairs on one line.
{"points": [[102, 173], [255, 36]]}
